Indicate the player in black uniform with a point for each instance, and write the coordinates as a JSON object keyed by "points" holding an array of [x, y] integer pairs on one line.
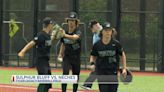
{"points": [[105, 60], [42, 43], [95, 28], [70, 49]]}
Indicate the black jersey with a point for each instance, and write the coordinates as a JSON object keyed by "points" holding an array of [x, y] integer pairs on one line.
{"points": [[43, 44], [107, 55], [72, 47]]}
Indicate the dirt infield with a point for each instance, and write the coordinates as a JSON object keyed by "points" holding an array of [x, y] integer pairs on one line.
{"points": [[84, 71]]}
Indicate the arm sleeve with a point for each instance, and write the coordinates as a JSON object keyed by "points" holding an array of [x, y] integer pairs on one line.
{"points": [[38, 39]]}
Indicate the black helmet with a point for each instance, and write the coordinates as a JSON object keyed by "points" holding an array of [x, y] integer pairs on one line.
{"points": [[48, 20], [106, 25], [72, 16]]}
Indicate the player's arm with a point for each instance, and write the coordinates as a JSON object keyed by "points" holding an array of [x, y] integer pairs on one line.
{"points": [[26, 48], [92, 59], [72, 37], [92, 62], [121, 52], [61, 52], [123, 59]]}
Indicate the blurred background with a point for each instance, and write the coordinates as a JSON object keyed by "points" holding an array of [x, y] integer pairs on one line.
{"points": [[139, 24]]}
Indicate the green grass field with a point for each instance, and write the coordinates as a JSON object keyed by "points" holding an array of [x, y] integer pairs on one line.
{"points": [[140, 83]]}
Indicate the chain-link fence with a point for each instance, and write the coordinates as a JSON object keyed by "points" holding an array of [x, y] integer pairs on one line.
{"points": [[130, 32]]}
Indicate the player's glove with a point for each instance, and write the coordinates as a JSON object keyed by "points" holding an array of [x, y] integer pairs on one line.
{"points": [[128, 77], [60, 58], [57, 32]]}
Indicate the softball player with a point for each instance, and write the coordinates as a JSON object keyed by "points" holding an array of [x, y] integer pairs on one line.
{"points": [[42, 43], [105, 60], [95, 28], [71, 48]]}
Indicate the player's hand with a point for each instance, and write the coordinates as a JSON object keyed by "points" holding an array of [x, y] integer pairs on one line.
{"points": [[92, 67], [60, 58], [21, 54], [124, 72], [63, 33]]}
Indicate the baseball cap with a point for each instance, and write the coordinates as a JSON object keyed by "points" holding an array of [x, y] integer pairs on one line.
{"points": [[48, 20], [106, 25]]}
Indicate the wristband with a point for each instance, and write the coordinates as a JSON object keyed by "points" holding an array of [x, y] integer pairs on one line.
{"points": [[92, 63]]}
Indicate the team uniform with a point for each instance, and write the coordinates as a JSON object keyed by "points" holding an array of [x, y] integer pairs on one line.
{"points": [[71, 59], [92, 76], [43, 45], [107, 64]]}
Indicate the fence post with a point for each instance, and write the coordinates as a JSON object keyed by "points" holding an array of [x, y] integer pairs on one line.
{"points": [[1, 25], [142, 35], [6, 43], [116, 16], [75, 6], [109, 9], [162, 30], [35, 30]]}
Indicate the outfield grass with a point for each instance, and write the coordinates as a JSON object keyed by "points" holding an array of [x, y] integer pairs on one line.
{"points": [[140, 83]]}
